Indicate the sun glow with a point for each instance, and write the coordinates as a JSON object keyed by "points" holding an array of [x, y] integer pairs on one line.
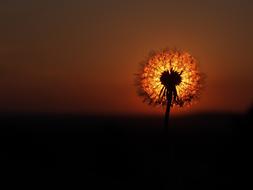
{"points": [[169, 70]]}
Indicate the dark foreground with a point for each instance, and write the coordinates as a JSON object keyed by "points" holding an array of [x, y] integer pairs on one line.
{"points": [[206, 151]]}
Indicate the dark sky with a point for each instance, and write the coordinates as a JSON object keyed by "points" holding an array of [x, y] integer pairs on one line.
{"points": [[80, 56]]}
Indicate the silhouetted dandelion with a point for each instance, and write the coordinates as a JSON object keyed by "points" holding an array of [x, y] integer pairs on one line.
{"points": [[171, 78]]}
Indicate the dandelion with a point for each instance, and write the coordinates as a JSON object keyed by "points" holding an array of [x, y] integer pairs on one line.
{"points": [[169, 77]]}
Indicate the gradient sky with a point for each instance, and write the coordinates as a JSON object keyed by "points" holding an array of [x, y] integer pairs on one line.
{"points": [[80, 56]]}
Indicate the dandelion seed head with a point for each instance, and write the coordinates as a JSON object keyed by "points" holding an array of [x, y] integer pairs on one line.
{"points": [[167, 70]]}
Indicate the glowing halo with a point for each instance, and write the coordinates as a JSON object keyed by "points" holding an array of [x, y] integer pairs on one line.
{"points": [[169, 69]]}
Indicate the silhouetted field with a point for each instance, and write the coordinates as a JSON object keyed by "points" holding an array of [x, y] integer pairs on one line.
{"points": [[204, 151]]}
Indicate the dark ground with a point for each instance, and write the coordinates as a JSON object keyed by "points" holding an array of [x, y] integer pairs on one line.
{"points": [[205, 151]]}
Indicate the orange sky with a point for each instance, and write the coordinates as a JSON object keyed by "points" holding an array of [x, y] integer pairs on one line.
{"points": [[81, 56]]}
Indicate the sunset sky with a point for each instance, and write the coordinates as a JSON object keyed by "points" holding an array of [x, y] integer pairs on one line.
{"points": [[80, 56]]}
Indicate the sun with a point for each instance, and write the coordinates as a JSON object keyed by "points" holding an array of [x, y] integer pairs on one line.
{"points": [[173, 72]]}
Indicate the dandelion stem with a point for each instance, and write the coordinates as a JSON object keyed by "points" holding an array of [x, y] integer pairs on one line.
{"points": [[167, 113]]}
